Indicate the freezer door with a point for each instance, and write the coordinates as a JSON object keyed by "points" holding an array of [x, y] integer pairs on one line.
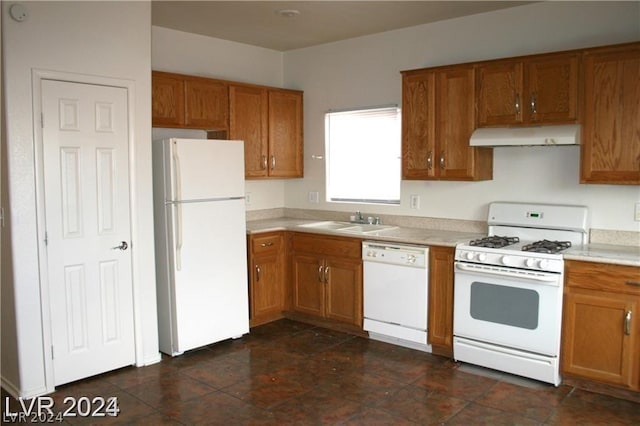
{"points": [[210, 273], [205, 169]]}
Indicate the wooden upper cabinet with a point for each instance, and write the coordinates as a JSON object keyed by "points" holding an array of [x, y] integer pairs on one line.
{"points": [[438, 117], [455, 122], [611, 124], [285, 134], [167, 101], [551, 89], [418, 125], [541, 89], [206, 104], [499, 98], [189, 102], [269, 121], [248, 121]]}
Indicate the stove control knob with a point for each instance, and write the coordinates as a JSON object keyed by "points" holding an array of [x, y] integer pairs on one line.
{"points": [[371, 253], [543, 264], [530, 263], [507, 260], [482, 257], [469, 255], [411, 259]]}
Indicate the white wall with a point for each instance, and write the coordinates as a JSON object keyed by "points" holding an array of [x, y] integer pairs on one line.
{"points": [[365, 71], [185, 53], [110, 39]]}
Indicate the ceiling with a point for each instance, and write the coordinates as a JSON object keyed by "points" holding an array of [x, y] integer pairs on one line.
{"points": [[258, 23]]}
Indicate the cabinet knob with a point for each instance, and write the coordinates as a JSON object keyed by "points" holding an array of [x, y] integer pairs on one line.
{"points": [[516, 104], [430, 160], [627, 323], [533, 104]]}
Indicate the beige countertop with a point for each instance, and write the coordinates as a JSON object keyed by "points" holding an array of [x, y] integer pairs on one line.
{"points": [[607, 253], [404, 235]]}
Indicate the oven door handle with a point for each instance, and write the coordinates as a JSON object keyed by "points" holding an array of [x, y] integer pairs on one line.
{"points": [[550, 279]]}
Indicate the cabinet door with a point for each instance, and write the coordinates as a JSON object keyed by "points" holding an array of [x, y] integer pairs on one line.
{"points": [[267, 287], [308, 284], [611, 131], [285, 134], [551, 95], [455, 159], [344, 290], [418, 126], [600, 337], [206, 104], [440, 315], [167, 100], [499, 93], [248, 121]]}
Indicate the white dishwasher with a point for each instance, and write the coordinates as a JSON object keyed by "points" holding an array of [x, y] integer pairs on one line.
{"points": [[396, 283]]}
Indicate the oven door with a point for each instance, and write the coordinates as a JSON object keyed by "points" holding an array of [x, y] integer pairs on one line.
{"points": [[508, 307]]}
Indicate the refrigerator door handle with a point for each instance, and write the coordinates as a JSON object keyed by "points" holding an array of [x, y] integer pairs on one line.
{"points": [[177, 184]]}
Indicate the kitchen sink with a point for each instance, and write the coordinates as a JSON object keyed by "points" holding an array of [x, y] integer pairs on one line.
{"points": [[348, 227]]}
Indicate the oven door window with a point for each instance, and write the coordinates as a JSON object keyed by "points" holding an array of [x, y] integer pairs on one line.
{"points": [[516, 307]]}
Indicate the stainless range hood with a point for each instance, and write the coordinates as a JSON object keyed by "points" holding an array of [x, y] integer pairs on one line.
{"points": [[527, 136]]}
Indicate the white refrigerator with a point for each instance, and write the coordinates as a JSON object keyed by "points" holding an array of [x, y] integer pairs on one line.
{"points": [[200, 236]]}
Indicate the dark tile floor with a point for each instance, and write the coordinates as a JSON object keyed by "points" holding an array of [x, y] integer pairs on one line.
{"points": [[292, 373]]}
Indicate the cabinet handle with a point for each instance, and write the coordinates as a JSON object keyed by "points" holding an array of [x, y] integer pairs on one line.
{"points": [[430, 160], [258, 271], [442, 162], [320, 277], [273, 162], [517, 103], [533, 104], [627, 323], [326, 274], [264, 162], [633, 283], [269, 244]]}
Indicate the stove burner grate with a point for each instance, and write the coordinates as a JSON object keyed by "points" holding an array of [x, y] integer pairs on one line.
{"points": [[494, 241], [546, 246]]}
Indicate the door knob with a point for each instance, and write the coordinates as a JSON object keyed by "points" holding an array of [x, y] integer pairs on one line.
{"points": [[123, 246]]}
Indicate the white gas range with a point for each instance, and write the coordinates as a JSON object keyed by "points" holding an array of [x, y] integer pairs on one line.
{"points": [[509, 285]]}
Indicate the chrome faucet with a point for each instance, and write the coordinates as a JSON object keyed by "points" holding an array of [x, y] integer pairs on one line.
{"points": [[358, 218]]}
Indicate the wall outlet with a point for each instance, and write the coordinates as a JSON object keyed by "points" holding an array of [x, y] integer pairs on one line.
{"points": [[414, 202], [314, 197], [636, 215], [247, 198]]}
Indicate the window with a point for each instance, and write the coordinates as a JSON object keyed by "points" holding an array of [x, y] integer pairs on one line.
{"points": [[363, 155]]}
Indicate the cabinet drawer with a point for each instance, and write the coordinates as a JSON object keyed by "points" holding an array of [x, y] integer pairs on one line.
{"points": [[603, 276], [329, 246], [266, 243]]}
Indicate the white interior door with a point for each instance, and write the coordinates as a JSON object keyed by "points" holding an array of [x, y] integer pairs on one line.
{"points": [[86, 185]]}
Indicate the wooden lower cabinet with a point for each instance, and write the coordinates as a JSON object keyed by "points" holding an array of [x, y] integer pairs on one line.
{"points": [[326, 274], [267, 274], [440, 315], [601, 324]]}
